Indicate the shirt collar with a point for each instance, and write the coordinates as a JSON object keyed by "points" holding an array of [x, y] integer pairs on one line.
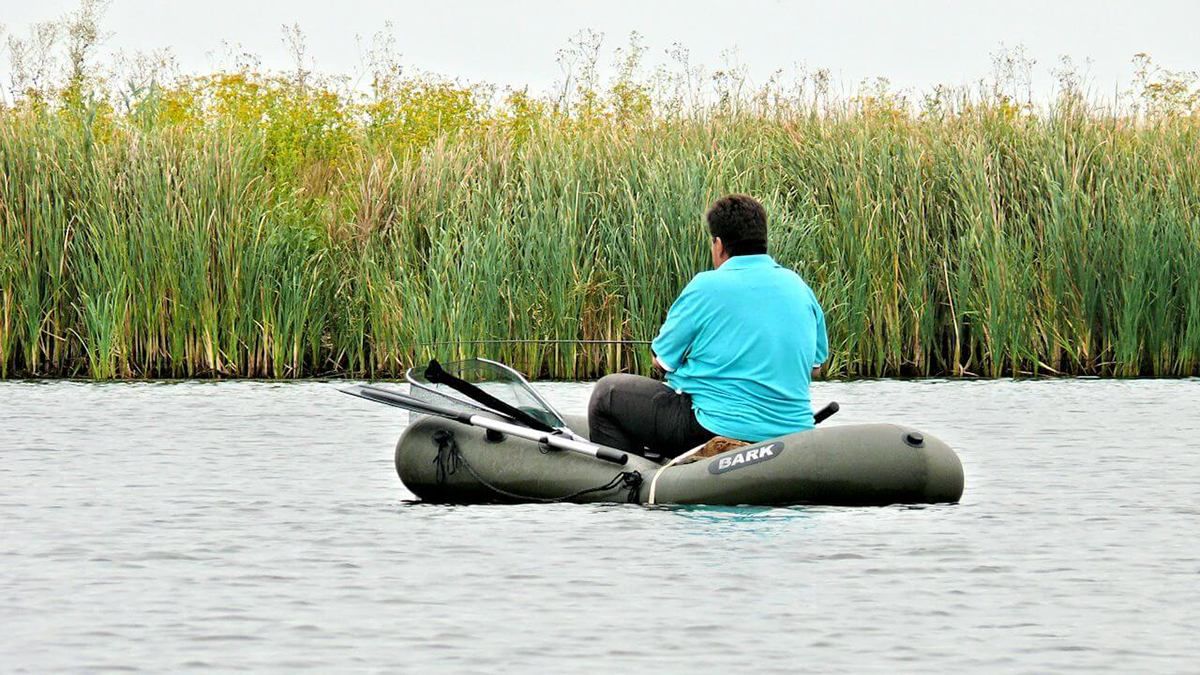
{"points": [[745, 262]]}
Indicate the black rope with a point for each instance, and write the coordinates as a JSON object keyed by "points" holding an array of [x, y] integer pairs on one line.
{"points": [[450, 458]]}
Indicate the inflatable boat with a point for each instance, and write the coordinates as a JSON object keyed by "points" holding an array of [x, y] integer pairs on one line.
{"points": [[481, 434]]}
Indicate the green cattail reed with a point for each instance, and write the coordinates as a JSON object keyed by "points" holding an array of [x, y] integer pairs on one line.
{"points": [[244, 226]]}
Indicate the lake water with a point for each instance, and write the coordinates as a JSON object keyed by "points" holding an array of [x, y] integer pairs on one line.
{"points": [[255, 526]]}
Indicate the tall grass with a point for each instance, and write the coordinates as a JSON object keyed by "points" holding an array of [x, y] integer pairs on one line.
{"points": [[248, 226]]}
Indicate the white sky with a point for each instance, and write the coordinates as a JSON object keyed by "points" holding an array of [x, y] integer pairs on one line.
{"points": [[914, 43]]}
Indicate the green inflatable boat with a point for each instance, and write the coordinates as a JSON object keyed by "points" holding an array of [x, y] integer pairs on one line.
{"points": [[480, 434]]}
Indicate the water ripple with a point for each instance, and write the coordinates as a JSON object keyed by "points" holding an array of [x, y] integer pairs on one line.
{"points": [[253, 526]]}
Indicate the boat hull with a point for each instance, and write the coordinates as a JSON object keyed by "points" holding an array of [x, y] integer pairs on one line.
{"points": [[850, 465]]}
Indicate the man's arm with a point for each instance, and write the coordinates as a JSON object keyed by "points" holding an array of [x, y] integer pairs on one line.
{"points": [[822, 351], [675, 337]]}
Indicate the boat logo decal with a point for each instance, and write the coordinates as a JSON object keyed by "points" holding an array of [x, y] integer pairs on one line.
{"points": [[745, 457]]}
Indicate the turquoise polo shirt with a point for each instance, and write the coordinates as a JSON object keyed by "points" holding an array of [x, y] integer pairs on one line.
{"points": [[742, 340]]}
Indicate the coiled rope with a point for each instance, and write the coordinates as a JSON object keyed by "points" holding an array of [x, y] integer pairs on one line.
{"points": [[450, 459]]}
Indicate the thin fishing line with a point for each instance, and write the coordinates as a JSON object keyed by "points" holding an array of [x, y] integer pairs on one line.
{"points": [[547, 342]]}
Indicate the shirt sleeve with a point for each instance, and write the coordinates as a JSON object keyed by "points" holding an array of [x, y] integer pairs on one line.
{"points": [[822, 352], [677, 332]]}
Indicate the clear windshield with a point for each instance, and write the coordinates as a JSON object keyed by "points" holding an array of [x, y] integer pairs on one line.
{"points": [[494, 378]]}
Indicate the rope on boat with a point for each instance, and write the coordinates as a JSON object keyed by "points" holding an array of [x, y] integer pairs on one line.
{"points": [[450, 458], [664, 467]]}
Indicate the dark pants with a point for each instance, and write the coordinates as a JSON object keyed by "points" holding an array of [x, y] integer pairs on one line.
{"points": [[634, 413]]}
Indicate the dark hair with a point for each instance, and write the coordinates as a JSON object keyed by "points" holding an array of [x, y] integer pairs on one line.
{"points": [[741, 223]]}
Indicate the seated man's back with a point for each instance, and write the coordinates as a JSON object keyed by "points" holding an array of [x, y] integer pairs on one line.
{"points": [[739, 346], [743, 340]]}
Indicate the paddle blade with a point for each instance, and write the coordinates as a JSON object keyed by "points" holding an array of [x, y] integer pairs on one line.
{"points": [[405, 402], [492, 385]]}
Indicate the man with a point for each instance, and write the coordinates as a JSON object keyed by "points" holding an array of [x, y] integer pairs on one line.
{"points": [[739, 347]]}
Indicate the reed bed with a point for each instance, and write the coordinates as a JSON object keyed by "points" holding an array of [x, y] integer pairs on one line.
{"points": [[244, 226]]}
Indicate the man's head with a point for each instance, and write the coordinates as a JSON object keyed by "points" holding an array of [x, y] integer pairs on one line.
{"points": [[738, 225]]}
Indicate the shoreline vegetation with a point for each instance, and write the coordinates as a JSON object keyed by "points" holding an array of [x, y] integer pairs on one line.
{"points": [[283, 225]]}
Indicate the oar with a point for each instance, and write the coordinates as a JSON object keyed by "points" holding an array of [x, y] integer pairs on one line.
{"points": [[436, 374], [399, 400]]}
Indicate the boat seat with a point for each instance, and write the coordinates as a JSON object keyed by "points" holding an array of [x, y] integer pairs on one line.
{"points": [[715, 446]]}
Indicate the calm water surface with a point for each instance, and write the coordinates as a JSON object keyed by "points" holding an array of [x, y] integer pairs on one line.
{"points": [[170, 527]]}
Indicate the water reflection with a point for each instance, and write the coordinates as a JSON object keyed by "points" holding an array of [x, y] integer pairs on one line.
{"points": [[740, 520]]}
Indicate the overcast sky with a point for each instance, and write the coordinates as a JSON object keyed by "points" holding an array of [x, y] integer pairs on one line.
{"points": [[914, 43]]}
